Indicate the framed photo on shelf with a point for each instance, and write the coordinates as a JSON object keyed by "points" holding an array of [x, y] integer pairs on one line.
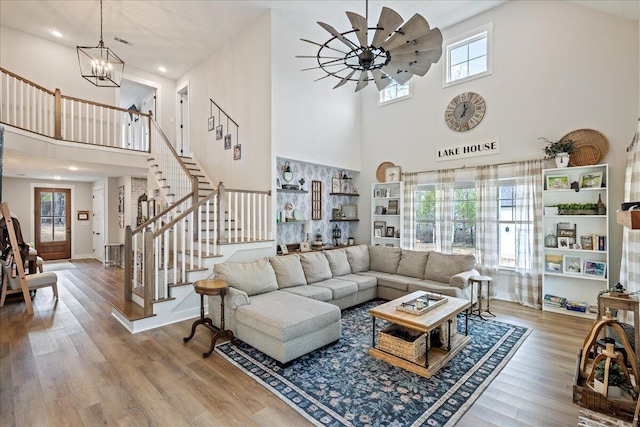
{"points": [[283, 249], [350, 211], [278, 183], [563, 243], [558, 182], [335, 185], [378, 228], [304, 247], [595, 268], [379, 193], [377, 232], [566, 232], [393, 207], [210, 123], [572, 264], [390, 232], [553, 263], [380, 210], [591, 180], [586, 242]]}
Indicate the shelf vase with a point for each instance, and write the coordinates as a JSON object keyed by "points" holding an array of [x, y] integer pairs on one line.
{"points": [[562, 160]]}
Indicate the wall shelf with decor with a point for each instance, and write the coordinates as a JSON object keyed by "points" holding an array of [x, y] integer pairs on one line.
{"points": [[341, 220], [286, 190], [344, 194], [575, 241], [386, 213]]}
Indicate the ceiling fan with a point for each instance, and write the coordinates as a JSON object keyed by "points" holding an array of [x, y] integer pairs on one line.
{"points": [[396, 52]]}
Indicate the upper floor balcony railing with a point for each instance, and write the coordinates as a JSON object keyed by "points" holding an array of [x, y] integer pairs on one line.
{"points": [[29, 106]]}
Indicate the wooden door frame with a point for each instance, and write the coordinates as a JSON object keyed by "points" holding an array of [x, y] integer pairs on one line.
{"points": [[32, 207]]}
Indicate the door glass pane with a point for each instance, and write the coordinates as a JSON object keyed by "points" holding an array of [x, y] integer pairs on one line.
{"points": [[46, 229], [46, 207], [59, 205], [59, 228]]}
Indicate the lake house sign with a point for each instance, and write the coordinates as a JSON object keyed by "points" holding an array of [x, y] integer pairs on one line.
{"points": [[468, 150]]}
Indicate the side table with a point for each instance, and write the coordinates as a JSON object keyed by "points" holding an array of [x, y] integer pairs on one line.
{"points": [[479, 281], [211, 287]]}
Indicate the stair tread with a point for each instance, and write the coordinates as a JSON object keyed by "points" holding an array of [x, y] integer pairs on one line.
{"points": [[130, 310]]}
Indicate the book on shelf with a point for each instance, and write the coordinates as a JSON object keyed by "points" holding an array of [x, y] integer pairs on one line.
{"points": [[554, 301]]}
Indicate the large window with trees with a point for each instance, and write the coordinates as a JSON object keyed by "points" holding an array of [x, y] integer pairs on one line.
{"points": [[464, 219]]}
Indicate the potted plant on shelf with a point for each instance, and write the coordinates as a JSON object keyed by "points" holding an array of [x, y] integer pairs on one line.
{"points": [[559, 151]]}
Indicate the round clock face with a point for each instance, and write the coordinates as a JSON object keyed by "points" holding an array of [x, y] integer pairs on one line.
{"points": [[465, 111]]}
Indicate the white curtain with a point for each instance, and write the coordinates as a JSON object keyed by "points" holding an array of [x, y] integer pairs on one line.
{"points": [[408, 229], [528, 228], [487, 250], [630, 262], [445, 182]]}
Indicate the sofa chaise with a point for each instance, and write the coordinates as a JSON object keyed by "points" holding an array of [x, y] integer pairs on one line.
{"points": [[287, 306]]}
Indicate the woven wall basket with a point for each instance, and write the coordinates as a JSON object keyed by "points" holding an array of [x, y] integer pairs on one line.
{"points": [[590, 147], [380, 176]]}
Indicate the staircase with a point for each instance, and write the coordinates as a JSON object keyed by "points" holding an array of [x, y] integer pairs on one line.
{"points": [[202, 224]]}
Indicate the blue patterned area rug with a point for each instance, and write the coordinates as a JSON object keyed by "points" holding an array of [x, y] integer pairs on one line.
{"points": [[341, 385]]}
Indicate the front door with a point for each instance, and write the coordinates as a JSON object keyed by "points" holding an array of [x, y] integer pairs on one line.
{"points": [[53, 223], [98, 223]]}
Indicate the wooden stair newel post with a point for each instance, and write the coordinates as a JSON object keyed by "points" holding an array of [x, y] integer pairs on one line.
{"points": [[6, 213]]}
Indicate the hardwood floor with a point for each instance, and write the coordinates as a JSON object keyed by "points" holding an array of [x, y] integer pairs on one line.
{"points": [[73, 364]]}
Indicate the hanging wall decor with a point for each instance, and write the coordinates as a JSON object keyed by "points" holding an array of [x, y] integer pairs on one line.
{"points": [[211, 123], [220, 129], [227, 141], [237, 152]]}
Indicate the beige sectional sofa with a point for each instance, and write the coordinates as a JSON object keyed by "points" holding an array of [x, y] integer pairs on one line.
{"points": [[287, 306]]}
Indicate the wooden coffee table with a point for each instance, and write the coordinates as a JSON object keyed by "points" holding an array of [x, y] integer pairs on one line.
{"points": [[434, 358]]}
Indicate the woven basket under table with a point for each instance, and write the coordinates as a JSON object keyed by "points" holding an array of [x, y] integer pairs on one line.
{"points": [[412, 349]]}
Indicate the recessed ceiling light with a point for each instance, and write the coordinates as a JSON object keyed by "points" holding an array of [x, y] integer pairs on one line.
{"points": [[162, 69], [73, 168], [57, 33]]}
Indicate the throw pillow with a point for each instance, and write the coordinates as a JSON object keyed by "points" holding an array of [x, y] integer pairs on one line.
{"points": [[338, 262], [358, 257], [254, 278], [412, 263], [288, 271], [384, 259], [441, 267], [316, 267]]}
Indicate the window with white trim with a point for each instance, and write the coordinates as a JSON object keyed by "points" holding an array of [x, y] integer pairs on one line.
{"points": [[468, 56], [394, 92]]}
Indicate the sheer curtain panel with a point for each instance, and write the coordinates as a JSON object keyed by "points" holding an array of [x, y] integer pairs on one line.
{"points": [[445, 182], [408, 228], [487, 250], [630, 261]]}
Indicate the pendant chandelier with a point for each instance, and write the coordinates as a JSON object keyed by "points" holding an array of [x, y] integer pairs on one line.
{"points": [[100, 65], [397, 51]]}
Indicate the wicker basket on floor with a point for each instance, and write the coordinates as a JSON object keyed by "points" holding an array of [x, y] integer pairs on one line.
{"points": [[412, 346]]}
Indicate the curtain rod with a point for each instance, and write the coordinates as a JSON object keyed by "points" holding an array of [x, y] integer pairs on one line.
{"points": [[465, 166]]}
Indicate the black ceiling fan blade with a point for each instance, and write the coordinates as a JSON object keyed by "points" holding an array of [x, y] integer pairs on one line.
{"points": [[359, 24], [387, 23], [337, 35], [362, 81], [415, 27], [345, 79], [381, 79]]}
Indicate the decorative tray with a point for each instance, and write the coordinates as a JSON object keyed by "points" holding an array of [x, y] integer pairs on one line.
{"points": [[426, 302]]}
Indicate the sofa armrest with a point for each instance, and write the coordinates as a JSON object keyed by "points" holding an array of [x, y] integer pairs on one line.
{"points": [[461, 280], [237, 298]]}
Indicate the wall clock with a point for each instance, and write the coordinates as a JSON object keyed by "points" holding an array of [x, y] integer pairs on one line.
{"points": [[465, 111]]}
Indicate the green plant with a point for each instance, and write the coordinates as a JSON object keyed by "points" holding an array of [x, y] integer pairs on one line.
{"points": [[617, 377], [563, 208], [554, 148]]}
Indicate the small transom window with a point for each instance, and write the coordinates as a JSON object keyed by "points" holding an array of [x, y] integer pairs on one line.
{"points": [[394, 92], [468, 56]]}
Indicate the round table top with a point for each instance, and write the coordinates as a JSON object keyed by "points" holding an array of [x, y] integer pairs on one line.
{"points": [[210, 286], [481, 278]]}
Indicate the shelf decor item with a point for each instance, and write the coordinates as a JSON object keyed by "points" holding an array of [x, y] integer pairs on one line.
{"points": [[392, 174], [572, 264], [551, 241], [595, 268], [558, 182], [590, 146], [558, 150], [591, 180]]}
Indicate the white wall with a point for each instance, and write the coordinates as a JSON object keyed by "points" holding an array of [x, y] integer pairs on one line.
{"points": [[311, 122], [17, 192], [557, 67], [238, 79], [52, 65]]}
